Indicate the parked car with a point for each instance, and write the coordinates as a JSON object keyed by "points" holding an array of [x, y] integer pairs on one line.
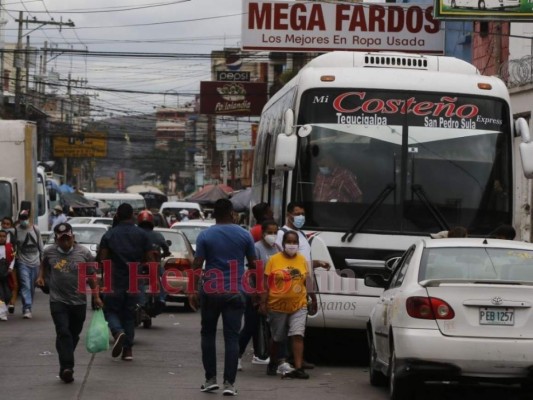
{"points": [[180, 261], [91, 220], [88, 235], [454, 310], [192, 229]]}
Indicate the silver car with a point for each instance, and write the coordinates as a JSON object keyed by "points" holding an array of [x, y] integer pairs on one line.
{"points": [[454, 310], [88, 235]]}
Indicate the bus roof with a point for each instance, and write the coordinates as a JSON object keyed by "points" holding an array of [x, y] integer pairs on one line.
{"points": [[358, 59]]}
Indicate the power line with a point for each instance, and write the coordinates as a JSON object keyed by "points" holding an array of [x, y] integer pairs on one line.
{"points": [[103, 10]]}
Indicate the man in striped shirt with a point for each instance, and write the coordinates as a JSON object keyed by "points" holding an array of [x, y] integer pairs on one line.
{"points": [[335, 184]]}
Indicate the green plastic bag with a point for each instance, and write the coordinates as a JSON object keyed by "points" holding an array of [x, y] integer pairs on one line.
{"points": [[97, 338]]}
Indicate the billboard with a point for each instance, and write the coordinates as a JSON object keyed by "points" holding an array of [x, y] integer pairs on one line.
{"points": [[515, 10], [322, 27], [93, 144], [232, 98]]}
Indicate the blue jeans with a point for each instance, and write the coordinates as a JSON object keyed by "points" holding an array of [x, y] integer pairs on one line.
{"points": [[68, 320], [27, 275], [231, 306], [119, 311]]}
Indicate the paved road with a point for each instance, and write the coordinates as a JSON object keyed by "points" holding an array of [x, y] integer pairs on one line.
{"points": [[167, 365]]}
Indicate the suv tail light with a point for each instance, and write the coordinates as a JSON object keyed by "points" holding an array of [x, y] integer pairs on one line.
{"points": [[429, 308], [181, 264]]}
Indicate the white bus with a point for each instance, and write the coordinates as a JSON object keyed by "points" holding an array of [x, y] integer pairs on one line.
{"points": [[115, 199], [484, 4], [430, 141]]}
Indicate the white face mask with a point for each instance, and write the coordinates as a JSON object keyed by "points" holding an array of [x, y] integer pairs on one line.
{"points": [[291, 249], [324, 170], [299, 221], [270, 239]]}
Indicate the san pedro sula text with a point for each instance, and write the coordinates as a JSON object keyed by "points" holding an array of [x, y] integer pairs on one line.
{"points": [[213, 279]]}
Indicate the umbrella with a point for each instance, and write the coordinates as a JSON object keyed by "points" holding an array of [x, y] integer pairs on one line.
{"points": [[208, 195], [143, 189], [225, 188], [64, 188], [241, 200]]}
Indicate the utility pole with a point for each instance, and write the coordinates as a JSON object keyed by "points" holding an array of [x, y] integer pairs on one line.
{"points": [[16, 60], [2, 47], [16, 64]]}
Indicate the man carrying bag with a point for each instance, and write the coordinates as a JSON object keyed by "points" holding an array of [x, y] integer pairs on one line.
{"points": [[68, 304]]}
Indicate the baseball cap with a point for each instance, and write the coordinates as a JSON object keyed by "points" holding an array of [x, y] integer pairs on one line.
{"points": [[58, 208], [63, 229], [24, 214]]}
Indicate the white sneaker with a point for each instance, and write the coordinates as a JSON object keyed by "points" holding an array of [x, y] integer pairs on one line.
{"points": [[260, 361], [3, 318], [284, 368], [239, 365], [27, 315]]}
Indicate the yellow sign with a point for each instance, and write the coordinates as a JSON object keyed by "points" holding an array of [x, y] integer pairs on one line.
{"points": [[86, 145]]}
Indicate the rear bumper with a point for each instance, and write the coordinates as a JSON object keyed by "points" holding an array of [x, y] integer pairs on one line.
{"points": [[429, 354]]}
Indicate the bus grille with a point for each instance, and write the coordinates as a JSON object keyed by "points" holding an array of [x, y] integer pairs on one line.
{"points": [[396, 61]]}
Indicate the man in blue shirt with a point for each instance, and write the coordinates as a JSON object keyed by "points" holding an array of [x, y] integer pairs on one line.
{"points": [[224, 247], [124, 244]]}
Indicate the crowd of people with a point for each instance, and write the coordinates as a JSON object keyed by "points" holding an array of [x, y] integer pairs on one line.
{"points": [[252, 279]]}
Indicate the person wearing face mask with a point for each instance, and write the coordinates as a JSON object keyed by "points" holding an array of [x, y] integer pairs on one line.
{"points": [[264, 249], [29, 254], [68, 305], [57, 217], [334, 183], [285, 303], [8, 226], [262, 212], [295, 221]]}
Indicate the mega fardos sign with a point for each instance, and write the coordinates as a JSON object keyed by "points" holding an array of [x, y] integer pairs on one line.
{"points": [[314, 26]]}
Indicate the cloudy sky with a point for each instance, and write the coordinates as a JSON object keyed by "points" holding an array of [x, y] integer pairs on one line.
{"points": [[181, 27]]}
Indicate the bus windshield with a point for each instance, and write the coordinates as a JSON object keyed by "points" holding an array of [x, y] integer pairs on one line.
{"points": [[415, 163]]}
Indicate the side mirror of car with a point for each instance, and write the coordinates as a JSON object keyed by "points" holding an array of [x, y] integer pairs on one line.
{"points": [[375, 280]]}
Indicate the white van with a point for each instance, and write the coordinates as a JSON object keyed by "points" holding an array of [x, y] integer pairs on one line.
{"points": [[173, 208], [115, 199]]}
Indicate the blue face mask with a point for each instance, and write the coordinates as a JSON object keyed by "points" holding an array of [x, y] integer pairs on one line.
{"points": [[299, 221], [24, 224]]}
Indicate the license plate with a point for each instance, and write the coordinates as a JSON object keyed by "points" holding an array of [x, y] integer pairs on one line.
{"points": [[496, 316]]}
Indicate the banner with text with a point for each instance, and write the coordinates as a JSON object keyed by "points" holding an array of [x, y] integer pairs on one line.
{"points": [[512, 10], [232, 98], [322, 27]]}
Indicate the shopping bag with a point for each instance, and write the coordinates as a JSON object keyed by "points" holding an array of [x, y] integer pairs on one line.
{"points": [[263, 338], [97, 338]]}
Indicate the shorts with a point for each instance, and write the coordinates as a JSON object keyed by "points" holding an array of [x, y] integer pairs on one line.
{"points": [[283, 324]]}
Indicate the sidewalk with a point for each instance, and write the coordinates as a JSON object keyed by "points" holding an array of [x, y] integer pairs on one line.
{"points": [[167, 365]]}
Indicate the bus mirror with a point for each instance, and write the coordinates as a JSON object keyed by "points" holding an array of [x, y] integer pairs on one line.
{"points": [[305, 130], [522, 130], [526, 147], [288, 122], [285, 155]]}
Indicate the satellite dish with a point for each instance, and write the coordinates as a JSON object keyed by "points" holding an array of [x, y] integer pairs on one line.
{"points": [[305, 130]]}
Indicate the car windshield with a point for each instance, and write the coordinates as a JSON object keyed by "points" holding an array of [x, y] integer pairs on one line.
{"points": [[452, 168], [474, 263], [178, 244], [84, 235], [191, 232]]}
